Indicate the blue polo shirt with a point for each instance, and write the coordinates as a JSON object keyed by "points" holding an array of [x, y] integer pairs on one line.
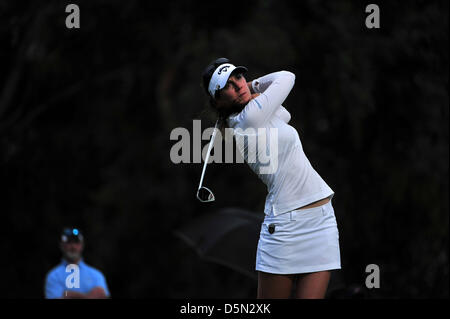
{"points": [[55, 281]]}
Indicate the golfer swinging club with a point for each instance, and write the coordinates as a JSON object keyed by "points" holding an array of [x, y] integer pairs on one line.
{"points": [[299, 238]]}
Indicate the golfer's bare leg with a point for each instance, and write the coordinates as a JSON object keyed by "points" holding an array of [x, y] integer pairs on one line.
{"points": [[273, 286], [312, 285]]}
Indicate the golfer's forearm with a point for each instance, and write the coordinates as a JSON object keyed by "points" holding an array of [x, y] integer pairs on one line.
{"points": [[264, 82], [274, 89]]}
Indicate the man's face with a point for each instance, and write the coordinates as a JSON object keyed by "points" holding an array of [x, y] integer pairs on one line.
{"points": [[72, 250]]}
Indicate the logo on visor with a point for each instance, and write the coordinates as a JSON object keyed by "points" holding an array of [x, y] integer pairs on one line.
{"points": [[223, 69]]}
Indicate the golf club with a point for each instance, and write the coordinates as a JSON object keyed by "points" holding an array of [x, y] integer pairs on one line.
{"points": [[204, 194]]}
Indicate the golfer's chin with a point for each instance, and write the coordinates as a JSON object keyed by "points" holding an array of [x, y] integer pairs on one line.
{"points": [[243, 99]]}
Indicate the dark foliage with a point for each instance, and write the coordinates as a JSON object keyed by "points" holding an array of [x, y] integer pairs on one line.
{"points": [[86, 114]]}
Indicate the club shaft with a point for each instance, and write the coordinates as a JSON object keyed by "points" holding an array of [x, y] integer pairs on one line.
{"points": [[207, 155]]}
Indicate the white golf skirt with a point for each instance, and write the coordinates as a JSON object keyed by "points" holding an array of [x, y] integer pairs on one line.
{"points": [[299, 241]]}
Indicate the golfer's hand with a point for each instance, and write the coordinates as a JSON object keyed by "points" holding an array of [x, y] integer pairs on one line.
{"points": [[249, 84], [254, 95]]}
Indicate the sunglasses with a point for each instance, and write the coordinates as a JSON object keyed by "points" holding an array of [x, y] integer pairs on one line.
{"points": [[71, 235]]}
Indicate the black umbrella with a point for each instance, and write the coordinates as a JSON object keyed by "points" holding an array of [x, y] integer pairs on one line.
{"points": [[228, 237]]}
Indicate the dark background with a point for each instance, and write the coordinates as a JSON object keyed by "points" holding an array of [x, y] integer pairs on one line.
{"points": [[86, 114]]}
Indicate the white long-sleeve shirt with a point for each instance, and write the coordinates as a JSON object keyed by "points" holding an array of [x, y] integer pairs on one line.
{"points": [[292, 182]]}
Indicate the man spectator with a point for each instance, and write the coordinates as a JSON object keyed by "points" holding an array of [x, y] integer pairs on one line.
{"points": [[85, 282]]}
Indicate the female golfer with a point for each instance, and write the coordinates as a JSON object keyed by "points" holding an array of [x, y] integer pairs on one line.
{"points": [[299, 239]]}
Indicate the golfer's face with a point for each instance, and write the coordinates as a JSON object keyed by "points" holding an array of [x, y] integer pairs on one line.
{"points": [[235, 91]]}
